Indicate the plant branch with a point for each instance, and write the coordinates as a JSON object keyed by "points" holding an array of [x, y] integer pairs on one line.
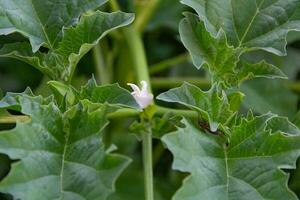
{"points": [[144, 16], [138, 55], [166, 83], [13, 119], [101, 72], [148, 165], [127, 112], [161, 66], [137, 52]]}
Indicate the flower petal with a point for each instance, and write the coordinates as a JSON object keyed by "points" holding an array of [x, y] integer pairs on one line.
{"points": [[135, 88]]}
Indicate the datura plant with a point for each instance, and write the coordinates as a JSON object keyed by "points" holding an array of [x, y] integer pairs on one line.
{"points": [[57, 147]]}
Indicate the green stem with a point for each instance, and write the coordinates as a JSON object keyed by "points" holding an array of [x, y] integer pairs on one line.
{"points": [[167, 83], [186, 113], [124, 113], [168, 63], [127, 112], [137, 51], [101, 73], [13, 119], [146, 14], [148, 166], [114, 5], [138, 55]]}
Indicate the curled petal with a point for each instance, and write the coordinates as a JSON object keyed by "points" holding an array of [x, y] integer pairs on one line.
{"points": [[135, 88], [142, 96]]}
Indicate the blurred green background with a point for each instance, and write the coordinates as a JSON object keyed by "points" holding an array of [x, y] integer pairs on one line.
{"points": [[169, 65]]}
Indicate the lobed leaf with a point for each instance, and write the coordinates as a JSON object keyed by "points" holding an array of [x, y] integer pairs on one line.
{"points": [[59, 155], [254, 24], [42, 21], [246, 168], [111, 94], [57, 27], [222, 60], [262, 96], [211, 106]]}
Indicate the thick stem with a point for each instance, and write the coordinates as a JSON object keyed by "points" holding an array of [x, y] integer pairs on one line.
{"points": [[101, 72], [144, 17], [148, 165], [138, 55], [137, 51]]}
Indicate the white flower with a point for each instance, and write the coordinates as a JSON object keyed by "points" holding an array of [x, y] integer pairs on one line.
{"points": [[142, 96]]}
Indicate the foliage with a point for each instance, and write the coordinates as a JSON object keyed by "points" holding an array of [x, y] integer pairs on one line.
{"points": [[246, 168], [231, 131], [66, 45]]}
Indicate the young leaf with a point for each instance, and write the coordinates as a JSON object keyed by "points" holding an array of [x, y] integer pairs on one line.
{"points": [[261, 69], [247, 168], [211, 106], [222, 60], [62, 92], [59, 155], [68, 45], [253, 24], [111, 94]]}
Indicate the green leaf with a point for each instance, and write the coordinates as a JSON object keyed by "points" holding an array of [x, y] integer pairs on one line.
{"points": [[255, 24], [42, 21], [222, 60], [66, 45], [261, 69], [246, 168], [60, 155], [212, 107], [212, 52], [235, 100], [62, 92], [77, 41], [110, 94], [23, 52], [282, 124], [263, 96], [160, 126]]}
